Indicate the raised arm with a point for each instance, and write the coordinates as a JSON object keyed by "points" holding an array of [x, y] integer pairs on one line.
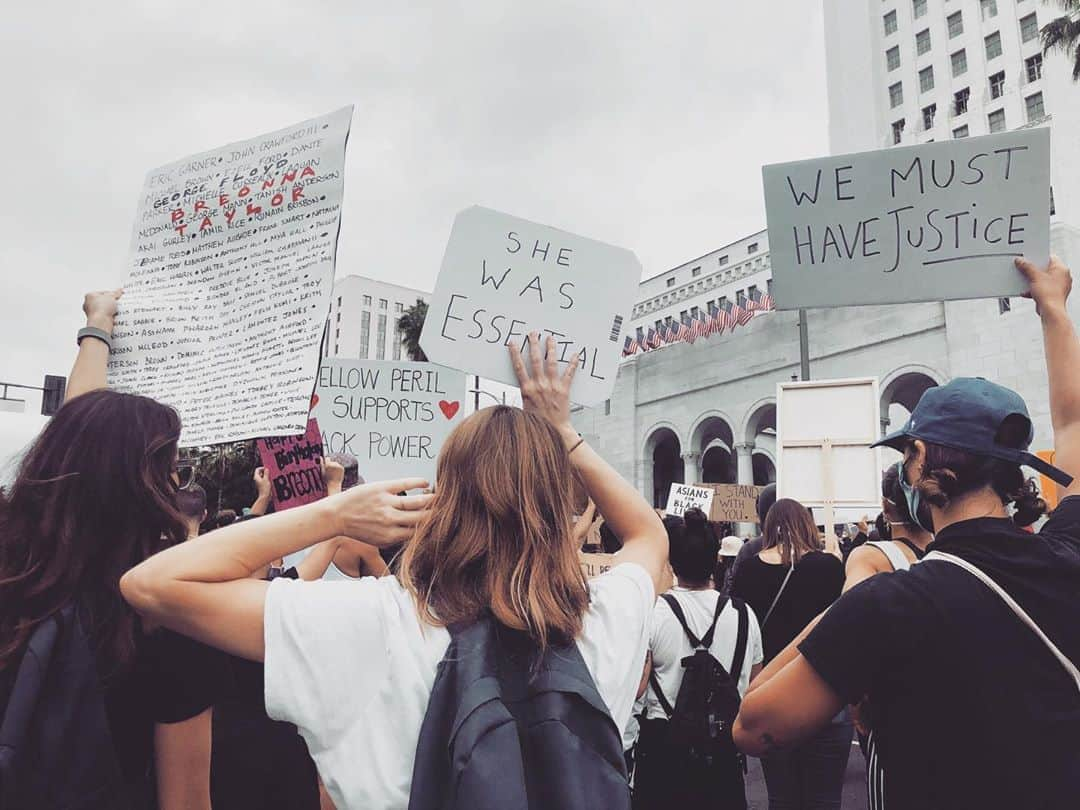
{"points": [[546, 392], [202, 589], [91, 363], [1050, 288], [261, 477]]}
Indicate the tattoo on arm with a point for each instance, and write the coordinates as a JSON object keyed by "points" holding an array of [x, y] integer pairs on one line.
{"points": [[769, 743]]}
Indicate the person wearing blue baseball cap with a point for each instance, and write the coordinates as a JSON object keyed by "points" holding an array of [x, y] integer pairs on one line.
{"points": [[968, 658]]}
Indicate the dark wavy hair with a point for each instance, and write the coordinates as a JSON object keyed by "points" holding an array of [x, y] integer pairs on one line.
{"points": [[693, 546], [949, 474], [93, 496]]}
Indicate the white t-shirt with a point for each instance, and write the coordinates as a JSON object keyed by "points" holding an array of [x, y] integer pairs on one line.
{"points": [[351, 665], [670, 645]]}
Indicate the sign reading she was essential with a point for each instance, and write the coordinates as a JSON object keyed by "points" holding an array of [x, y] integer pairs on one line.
{"points": [[229, 280], [932, 222], [292, 463], [393, 416], [502, 277]]}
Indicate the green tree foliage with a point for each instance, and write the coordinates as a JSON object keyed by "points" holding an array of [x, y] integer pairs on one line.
{"points": [[411, 324], [1063, 34]]}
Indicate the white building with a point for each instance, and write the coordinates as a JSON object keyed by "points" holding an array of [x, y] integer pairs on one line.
{"points": [[912, 71], [363, 319], [706, 412]]}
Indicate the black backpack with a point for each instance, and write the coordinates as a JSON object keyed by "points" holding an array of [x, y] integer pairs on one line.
{"points": [[700, 722], [56, 749], [504, 731]]}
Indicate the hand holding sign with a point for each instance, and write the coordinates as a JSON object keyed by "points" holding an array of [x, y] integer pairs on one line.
{"points": [[376, 514], [1049, 288], [545, 392]]}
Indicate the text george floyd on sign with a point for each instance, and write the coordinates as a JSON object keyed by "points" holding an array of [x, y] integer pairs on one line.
{"points": [[933, 222], [502, 277]]}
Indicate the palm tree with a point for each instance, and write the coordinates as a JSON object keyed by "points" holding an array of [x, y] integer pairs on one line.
{"points": [[1063, 34], [411, 324]]}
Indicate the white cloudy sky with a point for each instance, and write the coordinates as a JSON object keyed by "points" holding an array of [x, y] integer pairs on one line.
{"points": [[640, 124]]}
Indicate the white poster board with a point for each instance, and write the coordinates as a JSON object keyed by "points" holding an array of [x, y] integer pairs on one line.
{"points": [[824, 429], [232, 266], [392, 415], [502, 277], [932, 222], [684, 497]]}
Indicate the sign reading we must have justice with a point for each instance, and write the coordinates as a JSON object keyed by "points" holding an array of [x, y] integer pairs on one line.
{"points": [[933, 222], [232, 264], [502, 277]]}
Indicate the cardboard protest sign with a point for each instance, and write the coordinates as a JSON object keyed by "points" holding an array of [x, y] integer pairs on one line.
{"points": [[932, 222], [824, 429], [684, 497], [231, 270], [393, 416], [735, 503], [502, 277], [593, 565], [292, 464]]}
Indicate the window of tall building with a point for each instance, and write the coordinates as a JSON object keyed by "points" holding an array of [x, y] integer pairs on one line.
{"points": [[682, 315], [365, 332], [1033, 66], [988, 8], [710, 304], [367, 300], [695, 272], [397, 339], [922, 42], [1029, 27], [918, 8], [380, 339], [659, 325], [926, 79], [928, 114], [956, 24], [399, 307], [382, 303], [337, 350], [997, 84], [723, 260], [1053, 209], [1033, 104], [671, 281], [752, 247], [722, 303], [1004, 305], [897, 131], [768, 286], [993, 45], [339, 300], [890, 23], [996, 120], [959, 62], [892, 57], [960, 132], [752, 292], [338, 318], [960, 101], [896, 94]]}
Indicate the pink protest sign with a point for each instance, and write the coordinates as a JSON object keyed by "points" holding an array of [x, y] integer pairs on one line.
{"points": [[292, 463]]}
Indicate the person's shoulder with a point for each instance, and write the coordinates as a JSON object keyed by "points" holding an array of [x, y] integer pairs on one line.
{"points": [[822, 560], [1064, 521], [625, 579]]}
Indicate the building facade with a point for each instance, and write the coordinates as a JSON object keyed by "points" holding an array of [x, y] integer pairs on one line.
{"points": [[364, 317], [706, 412]]}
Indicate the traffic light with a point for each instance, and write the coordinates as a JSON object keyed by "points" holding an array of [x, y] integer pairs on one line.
{"points": [[52, 394]]}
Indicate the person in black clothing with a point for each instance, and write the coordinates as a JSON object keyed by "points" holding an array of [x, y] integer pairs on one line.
{"points": [[94, 495], [974, 686], [789, 582], [765, 500]]}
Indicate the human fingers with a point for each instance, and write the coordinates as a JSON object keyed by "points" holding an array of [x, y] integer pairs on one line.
{"points": [[535, 360], [519, 365], [412, 503], [551, 364], [571, 370], [401, 485]]}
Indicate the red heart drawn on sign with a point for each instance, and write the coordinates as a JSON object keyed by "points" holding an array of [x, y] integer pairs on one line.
{"points": [[314, 401], [449, 409]]}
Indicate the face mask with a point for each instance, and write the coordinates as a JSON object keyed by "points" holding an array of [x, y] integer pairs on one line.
{"points": [[913, 498]]}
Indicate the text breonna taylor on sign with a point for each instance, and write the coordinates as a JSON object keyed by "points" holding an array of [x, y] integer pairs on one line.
{"points": [[502, 277], [932, 222]]}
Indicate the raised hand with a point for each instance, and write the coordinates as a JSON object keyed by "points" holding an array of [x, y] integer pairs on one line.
{"points": [[262, 482], [1050, 287], [100, 308], [544, 391], [333, 475], [375, 514]]}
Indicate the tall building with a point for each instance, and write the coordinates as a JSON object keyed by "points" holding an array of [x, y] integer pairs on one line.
{"points": [[912, 71], [898, 72], [363, 319]]}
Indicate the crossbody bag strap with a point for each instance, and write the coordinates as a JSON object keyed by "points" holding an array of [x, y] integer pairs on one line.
{"points": [[741, 640], [1069, 666], [776, 599]]}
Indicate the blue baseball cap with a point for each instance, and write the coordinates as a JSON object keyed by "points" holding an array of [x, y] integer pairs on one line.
{"points": [[967, 414]]}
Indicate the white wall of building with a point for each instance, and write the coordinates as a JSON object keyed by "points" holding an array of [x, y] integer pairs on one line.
{"points": [[363, 319]]}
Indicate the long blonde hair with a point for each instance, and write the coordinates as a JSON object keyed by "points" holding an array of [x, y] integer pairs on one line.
{"points": [[498, 535]]}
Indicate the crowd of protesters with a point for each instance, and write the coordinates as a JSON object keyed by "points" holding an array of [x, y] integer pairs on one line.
{"points": [[399, 645]]}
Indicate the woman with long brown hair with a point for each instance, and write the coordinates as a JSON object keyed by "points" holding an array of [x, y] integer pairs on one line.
{"points": [[353, 664], [122, 716], [788, 583]]}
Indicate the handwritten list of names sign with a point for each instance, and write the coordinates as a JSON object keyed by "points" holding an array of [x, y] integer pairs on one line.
{"points": [[232, 266]]}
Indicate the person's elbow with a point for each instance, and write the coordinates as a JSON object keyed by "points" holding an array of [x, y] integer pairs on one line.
{"points": [[143, 590], [751, 731]]}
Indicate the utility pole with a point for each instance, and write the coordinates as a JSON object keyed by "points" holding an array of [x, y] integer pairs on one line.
{"points": [[804, 346]]}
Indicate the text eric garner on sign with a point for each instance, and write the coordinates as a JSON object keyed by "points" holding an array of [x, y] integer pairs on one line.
{"points": [[502, 277], [933, 222], [232, 265]]}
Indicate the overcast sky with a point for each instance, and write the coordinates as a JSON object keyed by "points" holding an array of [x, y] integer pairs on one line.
{"points": [[640, 124]]}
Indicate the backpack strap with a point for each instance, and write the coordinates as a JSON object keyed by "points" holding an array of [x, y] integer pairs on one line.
{"points": [[706, 640], [654, 683], [1022, 614], [741, 640]]}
